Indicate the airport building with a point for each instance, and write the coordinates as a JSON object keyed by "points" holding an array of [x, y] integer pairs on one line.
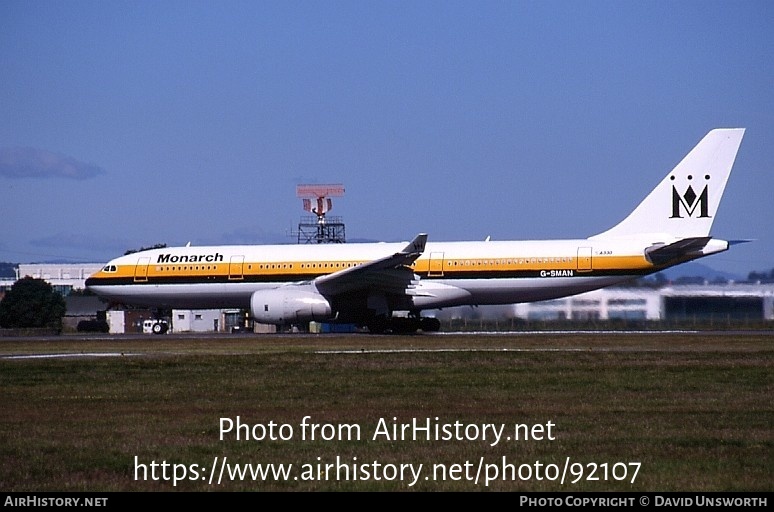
{"points": [[752, 302], [63, 277], [125, 321], [604, 304], [736, 301]]}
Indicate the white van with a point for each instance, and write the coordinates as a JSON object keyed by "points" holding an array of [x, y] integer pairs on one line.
{"points": [[155, 326]]}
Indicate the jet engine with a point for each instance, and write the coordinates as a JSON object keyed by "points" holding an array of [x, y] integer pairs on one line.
{"points": [[289, 305]]}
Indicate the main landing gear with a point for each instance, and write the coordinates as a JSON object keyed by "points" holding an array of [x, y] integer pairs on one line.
{"points": [[403, 325]]}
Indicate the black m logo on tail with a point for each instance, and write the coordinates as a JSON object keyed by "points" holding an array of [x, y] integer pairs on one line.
{"points": [[691, 202]]}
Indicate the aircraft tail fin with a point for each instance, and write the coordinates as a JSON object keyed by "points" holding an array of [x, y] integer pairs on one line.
{"points": [[684, 204]]}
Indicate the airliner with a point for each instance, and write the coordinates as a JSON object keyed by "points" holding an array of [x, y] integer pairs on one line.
{"points": [[385, 287]]}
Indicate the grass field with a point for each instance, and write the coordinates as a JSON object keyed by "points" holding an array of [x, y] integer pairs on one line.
{"points": [[639, 412]]}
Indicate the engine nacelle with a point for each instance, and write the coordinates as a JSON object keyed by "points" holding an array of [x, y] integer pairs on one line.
{"points": [[289, 305]]}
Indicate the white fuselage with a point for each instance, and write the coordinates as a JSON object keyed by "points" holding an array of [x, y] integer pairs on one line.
{"points": [[450, 273]]}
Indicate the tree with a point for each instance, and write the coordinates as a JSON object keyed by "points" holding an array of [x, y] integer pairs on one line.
{"points": [[762, 277], [32, 303]]}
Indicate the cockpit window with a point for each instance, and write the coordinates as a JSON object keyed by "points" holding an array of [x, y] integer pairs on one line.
{"points": [[109, 268]]}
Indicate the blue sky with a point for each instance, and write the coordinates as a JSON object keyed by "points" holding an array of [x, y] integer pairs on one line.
{"points": [[129, 123]]}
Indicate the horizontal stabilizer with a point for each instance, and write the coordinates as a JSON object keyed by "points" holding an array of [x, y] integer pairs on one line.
{"points": [[661, 254]]}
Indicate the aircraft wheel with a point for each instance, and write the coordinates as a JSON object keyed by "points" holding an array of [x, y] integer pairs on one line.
{"points": [[404, 325], [377, 325], [430, 324]]}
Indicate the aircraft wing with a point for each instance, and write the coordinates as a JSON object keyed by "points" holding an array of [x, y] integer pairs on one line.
{"points": [[390, 274], [660, 254]]}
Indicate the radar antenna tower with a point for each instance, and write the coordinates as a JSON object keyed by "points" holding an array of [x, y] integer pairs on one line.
{"points": [[322, 229]]}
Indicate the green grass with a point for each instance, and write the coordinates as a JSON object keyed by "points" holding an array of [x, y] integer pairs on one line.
{"points": [[695, 410]]}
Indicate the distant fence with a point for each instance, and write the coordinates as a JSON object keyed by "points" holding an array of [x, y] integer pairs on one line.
{"points": [[719, 323]]}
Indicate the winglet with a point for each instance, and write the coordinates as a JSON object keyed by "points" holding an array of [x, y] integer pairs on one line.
{"points": [[416, 246]]}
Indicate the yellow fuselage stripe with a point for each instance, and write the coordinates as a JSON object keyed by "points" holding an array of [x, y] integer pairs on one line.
{"points": [[314, 268]]}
